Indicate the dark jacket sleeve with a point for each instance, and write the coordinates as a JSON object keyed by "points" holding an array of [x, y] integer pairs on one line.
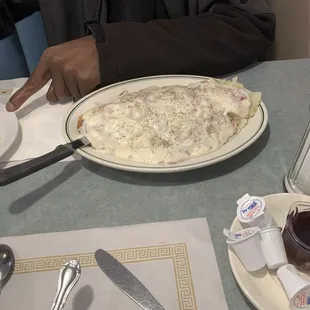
{"points": [[211, 43]]}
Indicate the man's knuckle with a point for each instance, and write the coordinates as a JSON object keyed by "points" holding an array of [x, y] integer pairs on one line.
{"points": [[57, 60], [83, 77], [31, 82], [47, 53], [69, 70]]}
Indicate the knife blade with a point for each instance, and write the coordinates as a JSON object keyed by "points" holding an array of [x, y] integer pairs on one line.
{"points": [[126, 281]]}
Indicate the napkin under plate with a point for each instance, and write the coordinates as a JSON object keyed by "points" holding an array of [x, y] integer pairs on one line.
{"points": [[40, 127]]}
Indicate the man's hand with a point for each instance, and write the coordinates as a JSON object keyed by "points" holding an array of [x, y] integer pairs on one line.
{"points": [[73, 68]]}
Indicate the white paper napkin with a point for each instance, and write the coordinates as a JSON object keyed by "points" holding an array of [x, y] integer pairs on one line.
{"points": [[174, 260], [40, 124]]}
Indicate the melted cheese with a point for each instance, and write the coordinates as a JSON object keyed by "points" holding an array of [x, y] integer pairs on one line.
{"points": [[169, 124]]}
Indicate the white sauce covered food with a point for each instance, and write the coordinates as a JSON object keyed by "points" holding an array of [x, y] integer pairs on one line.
{"points": [[170, 124]]}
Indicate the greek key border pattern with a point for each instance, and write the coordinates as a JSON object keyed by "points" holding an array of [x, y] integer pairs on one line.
{"points": [[176, 252]]}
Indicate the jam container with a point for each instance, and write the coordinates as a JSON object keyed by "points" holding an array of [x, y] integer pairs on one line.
{"points": [[296, 236]]}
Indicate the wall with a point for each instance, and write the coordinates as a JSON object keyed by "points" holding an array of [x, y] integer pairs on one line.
{"points": [[293, 29]]}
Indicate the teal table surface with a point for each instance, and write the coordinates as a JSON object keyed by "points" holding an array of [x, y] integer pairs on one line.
{"points": [[80, 194]]}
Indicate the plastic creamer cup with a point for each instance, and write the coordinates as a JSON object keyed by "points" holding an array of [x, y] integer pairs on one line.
{"points": [[273, 247], [252, 211], [296, 287], [248, 248]]}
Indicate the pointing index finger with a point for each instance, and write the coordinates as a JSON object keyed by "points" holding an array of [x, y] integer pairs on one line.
{"points": [[36, 81]]}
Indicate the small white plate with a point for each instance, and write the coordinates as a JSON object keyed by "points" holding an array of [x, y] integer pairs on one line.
{"points": [[9, 127], [238, 143], [262, 287]]}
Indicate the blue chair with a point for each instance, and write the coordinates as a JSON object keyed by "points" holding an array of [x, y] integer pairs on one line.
{"points": [[21, 51]]}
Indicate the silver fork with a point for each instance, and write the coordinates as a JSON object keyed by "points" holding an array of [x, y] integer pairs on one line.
{"points": [[69, 275]]}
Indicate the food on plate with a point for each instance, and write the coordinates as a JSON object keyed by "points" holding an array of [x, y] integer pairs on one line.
{"points": [[170, 124]]}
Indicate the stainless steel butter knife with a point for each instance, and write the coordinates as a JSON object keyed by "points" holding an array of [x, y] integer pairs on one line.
{"points": [[126, 281], [19, 171]]}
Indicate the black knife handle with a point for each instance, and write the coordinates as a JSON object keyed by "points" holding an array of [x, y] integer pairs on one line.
{"points": [[12, 174]]}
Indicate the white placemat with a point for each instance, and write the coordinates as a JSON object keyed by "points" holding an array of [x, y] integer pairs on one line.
{"points": [[174, 260], [40, 125]]}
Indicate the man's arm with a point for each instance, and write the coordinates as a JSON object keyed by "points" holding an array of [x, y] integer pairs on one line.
{"points": [[225, 39], [213, 43]]}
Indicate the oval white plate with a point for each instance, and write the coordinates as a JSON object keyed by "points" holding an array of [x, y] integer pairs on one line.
{"points": [[9, 127], [238, 143], [262, 287]]}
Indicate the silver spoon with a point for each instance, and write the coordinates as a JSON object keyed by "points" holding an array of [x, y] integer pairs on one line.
{"points": [[69, 275], [7, 260]]}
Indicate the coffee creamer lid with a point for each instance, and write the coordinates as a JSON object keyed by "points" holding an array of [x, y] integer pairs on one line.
{"points": [[301, 300], [250, 208], [243, 234]]}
